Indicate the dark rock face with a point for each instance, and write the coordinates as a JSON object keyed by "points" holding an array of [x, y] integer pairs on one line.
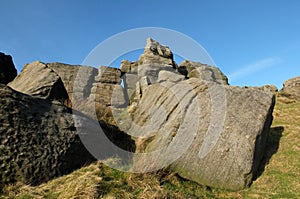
{"points": [[291, 89], [38, 139], [7, 69]]}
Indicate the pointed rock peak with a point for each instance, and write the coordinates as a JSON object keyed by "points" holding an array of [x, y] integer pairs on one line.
{"points": [[155, 53], [156, 48]]}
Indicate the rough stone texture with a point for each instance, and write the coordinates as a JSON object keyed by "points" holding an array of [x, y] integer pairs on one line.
{"points": [[84, 76], [127, 66], [129, 80], [183, 121], [270, 88], [202, 71], [107, 92], [165, 75], [108, 75], [291, 89], [155, 53], [37, 79], [38, 139], [7, 69], [103, 92]]}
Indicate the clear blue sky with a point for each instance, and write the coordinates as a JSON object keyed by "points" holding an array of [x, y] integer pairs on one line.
{"points": [[253, 42]]}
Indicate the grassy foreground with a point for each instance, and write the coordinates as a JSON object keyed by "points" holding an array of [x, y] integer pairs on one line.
{"points": [[280, 177]]}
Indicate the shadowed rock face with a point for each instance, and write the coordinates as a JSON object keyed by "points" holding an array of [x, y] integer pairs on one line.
{"points": [[291, 89], [7, 69], [38, 135], [38, 139]]}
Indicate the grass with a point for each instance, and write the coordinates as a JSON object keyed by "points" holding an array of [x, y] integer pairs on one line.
{"points": [[278, 179]]}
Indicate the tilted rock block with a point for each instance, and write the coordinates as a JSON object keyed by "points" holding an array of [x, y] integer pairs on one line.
{"points": [[37, 79], [209, 133]]}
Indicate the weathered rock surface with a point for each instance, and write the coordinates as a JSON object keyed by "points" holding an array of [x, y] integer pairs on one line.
{"points": [[38, 139], [155, 53], [7, 69], [291, 89], [201, 128], [202, 71], [84, 76], [127, 66], [37, 79], [211, 132], [165, 75], [185, 118]]}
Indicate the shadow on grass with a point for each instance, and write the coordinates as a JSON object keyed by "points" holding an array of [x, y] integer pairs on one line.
{"points": [[271, 148]]}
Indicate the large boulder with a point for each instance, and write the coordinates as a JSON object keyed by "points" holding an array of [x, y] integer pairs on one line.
{"points": [[209, 133], [38, 139], [37, 79], [291, 89], [7, 69]]}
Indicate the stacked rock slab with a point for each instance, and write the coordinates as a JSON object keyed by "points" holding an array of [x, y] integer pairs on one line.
{"points": [[155, 59], [291, 89], [107, 92], [7, 69], [38, 139]]}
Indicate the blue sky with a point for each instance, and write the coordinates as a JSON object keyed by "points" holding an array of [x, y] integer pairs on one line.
{"points": [[253, 42]]}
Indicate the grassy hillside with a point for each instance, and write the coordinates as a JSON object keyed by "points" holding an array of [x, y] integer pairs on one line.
{"points": [[279, 176]]}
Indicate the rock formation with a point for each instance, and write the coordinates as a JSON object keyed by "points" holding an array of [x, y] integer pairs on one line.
{"points": [[185, 118], [205, 130], [7, 69], [291, 89]]}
